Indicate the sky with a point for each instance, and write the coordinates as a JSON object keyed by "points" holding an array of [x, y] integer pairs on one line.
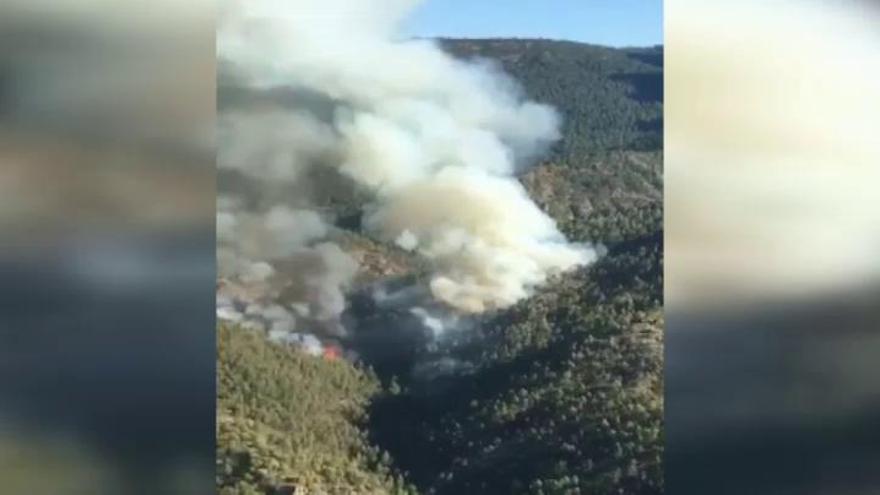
{"points": [[602, 22]]}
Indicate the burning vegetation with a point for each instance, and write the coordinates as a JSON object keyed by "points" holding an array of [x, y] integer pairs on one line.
{"points": [[398, 314]]}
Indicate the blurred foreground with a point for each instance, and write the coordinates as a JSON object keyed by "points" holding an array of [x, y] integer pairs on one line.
{"points": [[772, 235], [106, 251]]}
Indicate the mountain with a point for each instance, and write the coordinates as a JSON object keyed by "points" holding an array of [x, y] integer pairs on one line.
{"points": [[286, 419], [603, 181], [609, 99], [561, 393]]}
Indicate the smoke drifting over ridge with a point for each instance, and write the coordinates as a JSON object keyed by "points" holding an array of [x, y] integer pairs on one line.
{"points": [[432, 142]]}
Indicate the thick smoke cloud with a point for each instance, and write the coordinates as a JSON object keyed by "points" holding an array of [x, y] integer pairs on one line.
{"points": [[432, 141]]}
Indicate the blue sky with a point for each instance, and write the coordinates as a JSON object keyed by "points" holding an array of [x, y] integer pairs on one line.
{"points": [[604, 22]]}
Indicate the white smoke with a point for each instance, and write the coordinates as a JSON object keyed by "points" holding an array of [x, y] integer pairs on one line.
{"points": [[435, 140], [276, 264], [306, 342]]}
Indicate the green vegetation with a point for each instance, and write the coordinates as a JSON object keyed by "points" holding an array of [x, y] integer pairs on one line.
{"points": [[610, 197], [610, 99], [562, 393], [566, 398], [286, 419]]}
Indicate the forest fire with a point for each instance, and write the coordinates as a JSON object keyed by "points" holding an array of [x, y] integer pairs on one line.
{"points": [[332, 352]]}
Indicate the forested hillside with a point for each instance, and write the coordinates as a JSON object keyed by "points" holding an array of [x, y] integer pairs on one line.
{"points": [[603, 181], [610, 99], [566, 396], [560, 394], [286, 420]]}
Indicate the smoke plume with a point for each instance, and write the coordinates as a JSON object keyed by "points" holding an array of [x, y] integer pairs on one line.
{"points": [[432, 142]]}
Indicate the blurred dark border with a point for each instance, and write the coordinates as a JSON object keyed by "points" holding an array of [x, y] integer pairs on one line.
{"points": [[107, 264]]}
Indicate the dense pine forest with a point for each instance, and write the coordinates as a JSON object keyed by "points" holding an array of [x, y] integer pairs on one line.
{"points": [[559, 394]]}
